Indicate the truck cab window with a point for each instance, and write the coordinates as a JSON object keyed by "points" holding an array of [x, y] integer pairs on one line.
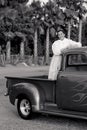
{"points": [[76, 62]]}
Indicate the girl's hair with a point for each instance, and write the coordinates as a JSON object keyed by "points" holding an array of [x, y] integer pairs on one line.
{"points": [[63, 30]]}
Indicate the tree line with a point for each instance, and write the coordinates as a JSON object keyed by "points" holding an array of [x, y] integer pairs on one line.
{"points": [[36, 25]]}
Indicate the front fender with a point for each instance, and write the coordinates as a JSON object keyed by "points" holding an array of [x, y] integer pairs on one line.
{"points": [[31, 91]]}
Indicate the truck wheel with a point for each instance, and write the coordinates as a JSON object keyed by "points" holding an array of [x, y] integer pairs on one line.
{"points": [[24, 108]]}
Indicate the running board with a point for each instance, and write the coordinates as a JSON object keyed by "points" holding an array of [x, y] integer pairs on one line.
{"points": [[51, 108], [66, 114]]}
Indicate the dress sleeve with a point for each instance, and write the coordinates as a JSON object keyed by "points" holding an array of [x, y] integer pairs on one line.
{"points": [[74, 44], [56, 49]]}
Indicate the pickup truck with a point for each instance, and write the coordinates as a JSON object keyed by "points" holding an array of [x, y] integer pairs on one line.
{"points": [[66, 96]]}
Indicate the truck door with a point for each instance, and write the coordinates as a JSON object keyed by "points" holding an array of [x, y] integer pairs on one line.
{"points": [[71, 87]]}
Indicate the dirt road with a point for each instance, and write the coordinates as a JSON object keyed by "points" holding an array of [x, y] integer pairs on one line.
{"points": [[9, 118]]}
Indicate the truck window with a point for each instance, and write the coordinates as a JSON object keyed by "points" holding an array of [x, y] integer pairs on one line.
{"points": [[76, 62]]}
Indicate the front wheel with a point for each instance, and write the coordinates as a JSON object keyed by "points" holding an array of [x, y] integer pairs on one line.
{"points": [[24, 108]]}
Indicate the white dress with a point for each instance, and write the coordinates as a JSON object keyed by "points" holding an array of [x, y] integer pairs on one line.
{"points": [[57, 48]]}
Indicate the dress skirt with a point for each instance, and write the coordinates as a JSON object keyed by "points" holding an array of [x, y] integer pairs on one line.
{"points": [[55, 66]]}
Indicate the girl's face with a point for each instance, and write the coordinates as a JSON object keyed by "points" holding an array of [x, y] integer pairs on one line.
{"points": [[61, 35]]}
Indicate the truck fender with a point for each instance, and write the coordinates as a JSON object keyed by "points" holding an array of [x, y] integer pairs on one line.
{"points": [[31, 91]]}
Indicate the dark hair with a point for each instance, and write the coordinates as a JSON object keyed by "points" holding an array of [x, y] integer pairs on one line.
{"points": [[62, 30]]}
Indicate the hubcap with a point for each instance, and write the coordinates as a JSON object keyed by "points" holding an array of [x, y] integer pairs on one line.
{"points": [[25, 107]]}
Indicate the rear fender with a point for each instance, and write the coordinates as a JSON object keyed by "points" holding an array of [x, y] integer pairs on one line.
{"points": [[29, 90]]}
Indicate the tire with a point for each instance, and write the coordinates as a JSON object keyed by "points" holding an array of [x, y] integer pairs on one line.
{"points": [[24, 108]]}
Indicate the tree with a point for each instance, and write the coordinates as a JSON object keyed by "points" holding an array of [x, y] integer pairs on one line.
{"points": [[74, 9], [81, 11], [11, 22], [35, 11], [23, 39], [84, 33], [68, 7], [7, 16], [46, 19], [51, 19], [9, 35]]}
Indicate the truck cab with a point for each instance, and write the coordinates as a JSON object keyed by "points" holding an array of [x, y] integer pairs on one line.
{"points": [[66, 96], [71, 82]]}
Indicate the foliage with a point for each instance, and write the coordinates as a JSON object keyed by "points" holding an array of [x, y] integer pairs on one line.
{"points": [[16, 17]]}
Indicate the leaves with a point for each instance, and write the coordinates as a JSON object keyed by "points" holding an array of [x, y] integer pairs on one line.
{"points": [[9, 35], [17, 17]]}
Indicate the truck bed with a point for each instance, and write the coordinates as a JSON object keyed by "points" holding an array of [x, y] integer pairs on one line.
{"points": [[40, 82]]}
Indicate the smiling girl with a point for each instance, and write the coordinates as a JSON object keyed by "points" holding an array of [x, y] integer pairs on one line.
{"points": [[57, 48]]}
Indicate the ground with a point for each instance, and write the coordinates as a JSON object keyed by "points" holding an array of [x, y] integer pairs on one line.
{"points": [[9, 118]]}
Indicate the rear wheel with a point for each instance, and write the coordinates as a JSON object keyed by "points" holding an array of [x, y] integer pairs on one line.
{"points": [[24, 108]]}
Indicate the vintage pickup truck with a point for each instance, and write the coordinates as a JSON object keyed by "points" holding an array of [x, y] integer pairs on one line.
{"points": [[66, 96]]}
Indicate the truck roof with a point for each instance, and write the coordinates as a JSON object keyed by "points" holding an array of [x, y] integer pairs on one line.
{"points": [[73, 50]]}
